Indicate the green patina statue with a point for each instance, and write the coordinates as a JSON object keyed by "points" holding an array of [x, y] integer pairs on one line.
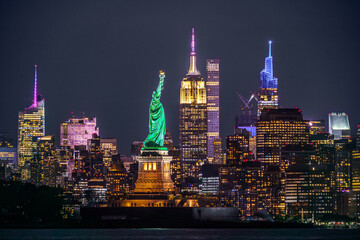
{"points": [[157, 128]]}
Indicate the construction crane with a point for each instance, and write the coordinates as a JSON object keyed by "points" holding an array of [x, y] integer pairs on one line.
{"points": [[246, 101]]}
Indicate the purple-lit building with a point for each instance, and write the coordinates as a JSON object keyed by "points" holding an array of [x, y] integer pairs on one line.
{"points": [[77, 131], [212, 91], [31, 125]]}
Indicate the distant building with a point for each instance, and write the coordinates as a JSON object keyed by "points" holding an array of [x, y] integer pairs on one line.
{"points": [[31, 124], [339, 125], [136, 148], [218, 151], [252, 189], [209, 177], [324, 148], [355, 182], [316, 126], [358, 137], [275, 129], [268, 93], [168, 140], [237, 147], [308, 191], [175, 168], [77, 131], [108, 148], [7, 156], [44, 166], [192, 124], [213, 105], [116, 182]]}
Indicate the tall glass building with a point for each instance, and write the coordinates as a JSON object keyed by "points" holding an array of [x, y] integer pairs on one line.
{"points": [[192, 124], [212, 89], [339, 125], [268, 93], [31, 123]]}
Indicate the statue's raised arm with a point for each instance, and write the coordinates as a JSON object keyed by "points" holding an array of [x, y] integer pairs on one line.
{"points": [[157, 128]]}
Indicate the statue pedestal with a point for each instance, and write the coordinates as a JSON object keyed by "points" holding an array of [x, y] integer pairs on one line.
{"points": [[154, 172]]}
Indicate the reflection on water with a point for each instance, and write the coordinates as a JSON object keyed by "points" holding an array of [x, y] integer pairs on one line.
{"points": [[169, 234]]}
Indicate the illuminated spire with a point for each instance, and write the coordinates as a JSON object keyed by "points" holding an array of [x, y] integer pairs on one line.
{"points": [[269, 62], [193, 69], [35, 88], [270, 48]]}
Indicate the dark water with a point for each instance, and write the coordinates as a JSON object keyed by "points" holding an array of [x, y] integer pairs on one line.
{"points": [[169, 234]]}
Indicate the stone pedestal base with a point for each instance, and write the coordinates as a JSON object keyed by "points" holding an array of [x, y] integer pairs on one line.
{"points": [[154, 172]]}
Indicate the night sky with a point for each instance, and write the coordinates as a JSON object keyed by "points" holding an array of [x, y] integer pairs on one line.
{"points": [[103, 57]]}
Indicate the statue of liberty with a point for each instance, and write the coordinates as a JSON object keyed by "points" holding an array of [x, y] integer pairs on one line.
{"points": [[157, 128]]}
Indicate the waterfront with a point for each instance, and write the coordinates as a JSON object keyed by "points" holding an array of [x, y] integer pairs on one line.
{"points": [[200, 234]]}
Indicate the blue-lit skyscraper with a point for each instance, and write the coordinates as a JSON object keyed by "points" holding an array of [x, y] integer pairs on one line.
{"points": [[268, 94]]}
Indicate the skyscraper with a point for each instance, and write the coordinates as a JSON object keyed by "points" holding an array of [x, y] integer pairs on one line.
{"points": [[212, 91], [192, 123], [339, 125], [77, 131], [31, 124], [275, 129], [268, 93]]}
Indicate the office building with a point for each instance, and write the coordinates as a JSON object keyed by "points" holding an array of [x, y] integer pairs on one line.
{"points": [[31, 123], [108, 149], [77, 131], [209, 177], [316, 126], [308, 192], [277, 128], [339, 125], [213, 105], [193, 124]]}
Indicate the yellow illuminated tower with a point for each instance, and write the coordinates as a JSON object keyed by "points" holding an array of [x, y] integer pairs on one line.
{"points": [[192, 124], [30, 126]]}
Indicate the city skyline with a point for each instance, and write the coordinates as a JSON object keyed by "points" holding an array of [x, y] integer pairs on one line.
{"points": [[72, 85]]}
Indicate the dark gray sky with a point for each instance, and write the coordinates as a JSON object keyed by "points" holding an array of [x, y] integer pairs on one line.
{"points": [[103, 57]]}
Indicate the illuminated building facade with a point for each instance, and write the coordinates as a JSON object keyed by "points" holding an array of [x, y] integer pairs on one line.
{"points": [[213, 105], [308, 191], [339, 125], [31, 123], [175, 168], [316, 126], [192, 124], [77, 131], [268, 93], [108, 149], [44, 166], [237, 147], [324, 148], [154, 174], [97, 167], [116, 182], [355, 182], [252, 192], [218, 151], [275, 129]]}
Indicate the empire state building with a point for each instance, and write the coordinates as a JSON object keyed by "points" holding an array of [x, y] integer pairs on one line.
{"points": [[192, 124]]}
